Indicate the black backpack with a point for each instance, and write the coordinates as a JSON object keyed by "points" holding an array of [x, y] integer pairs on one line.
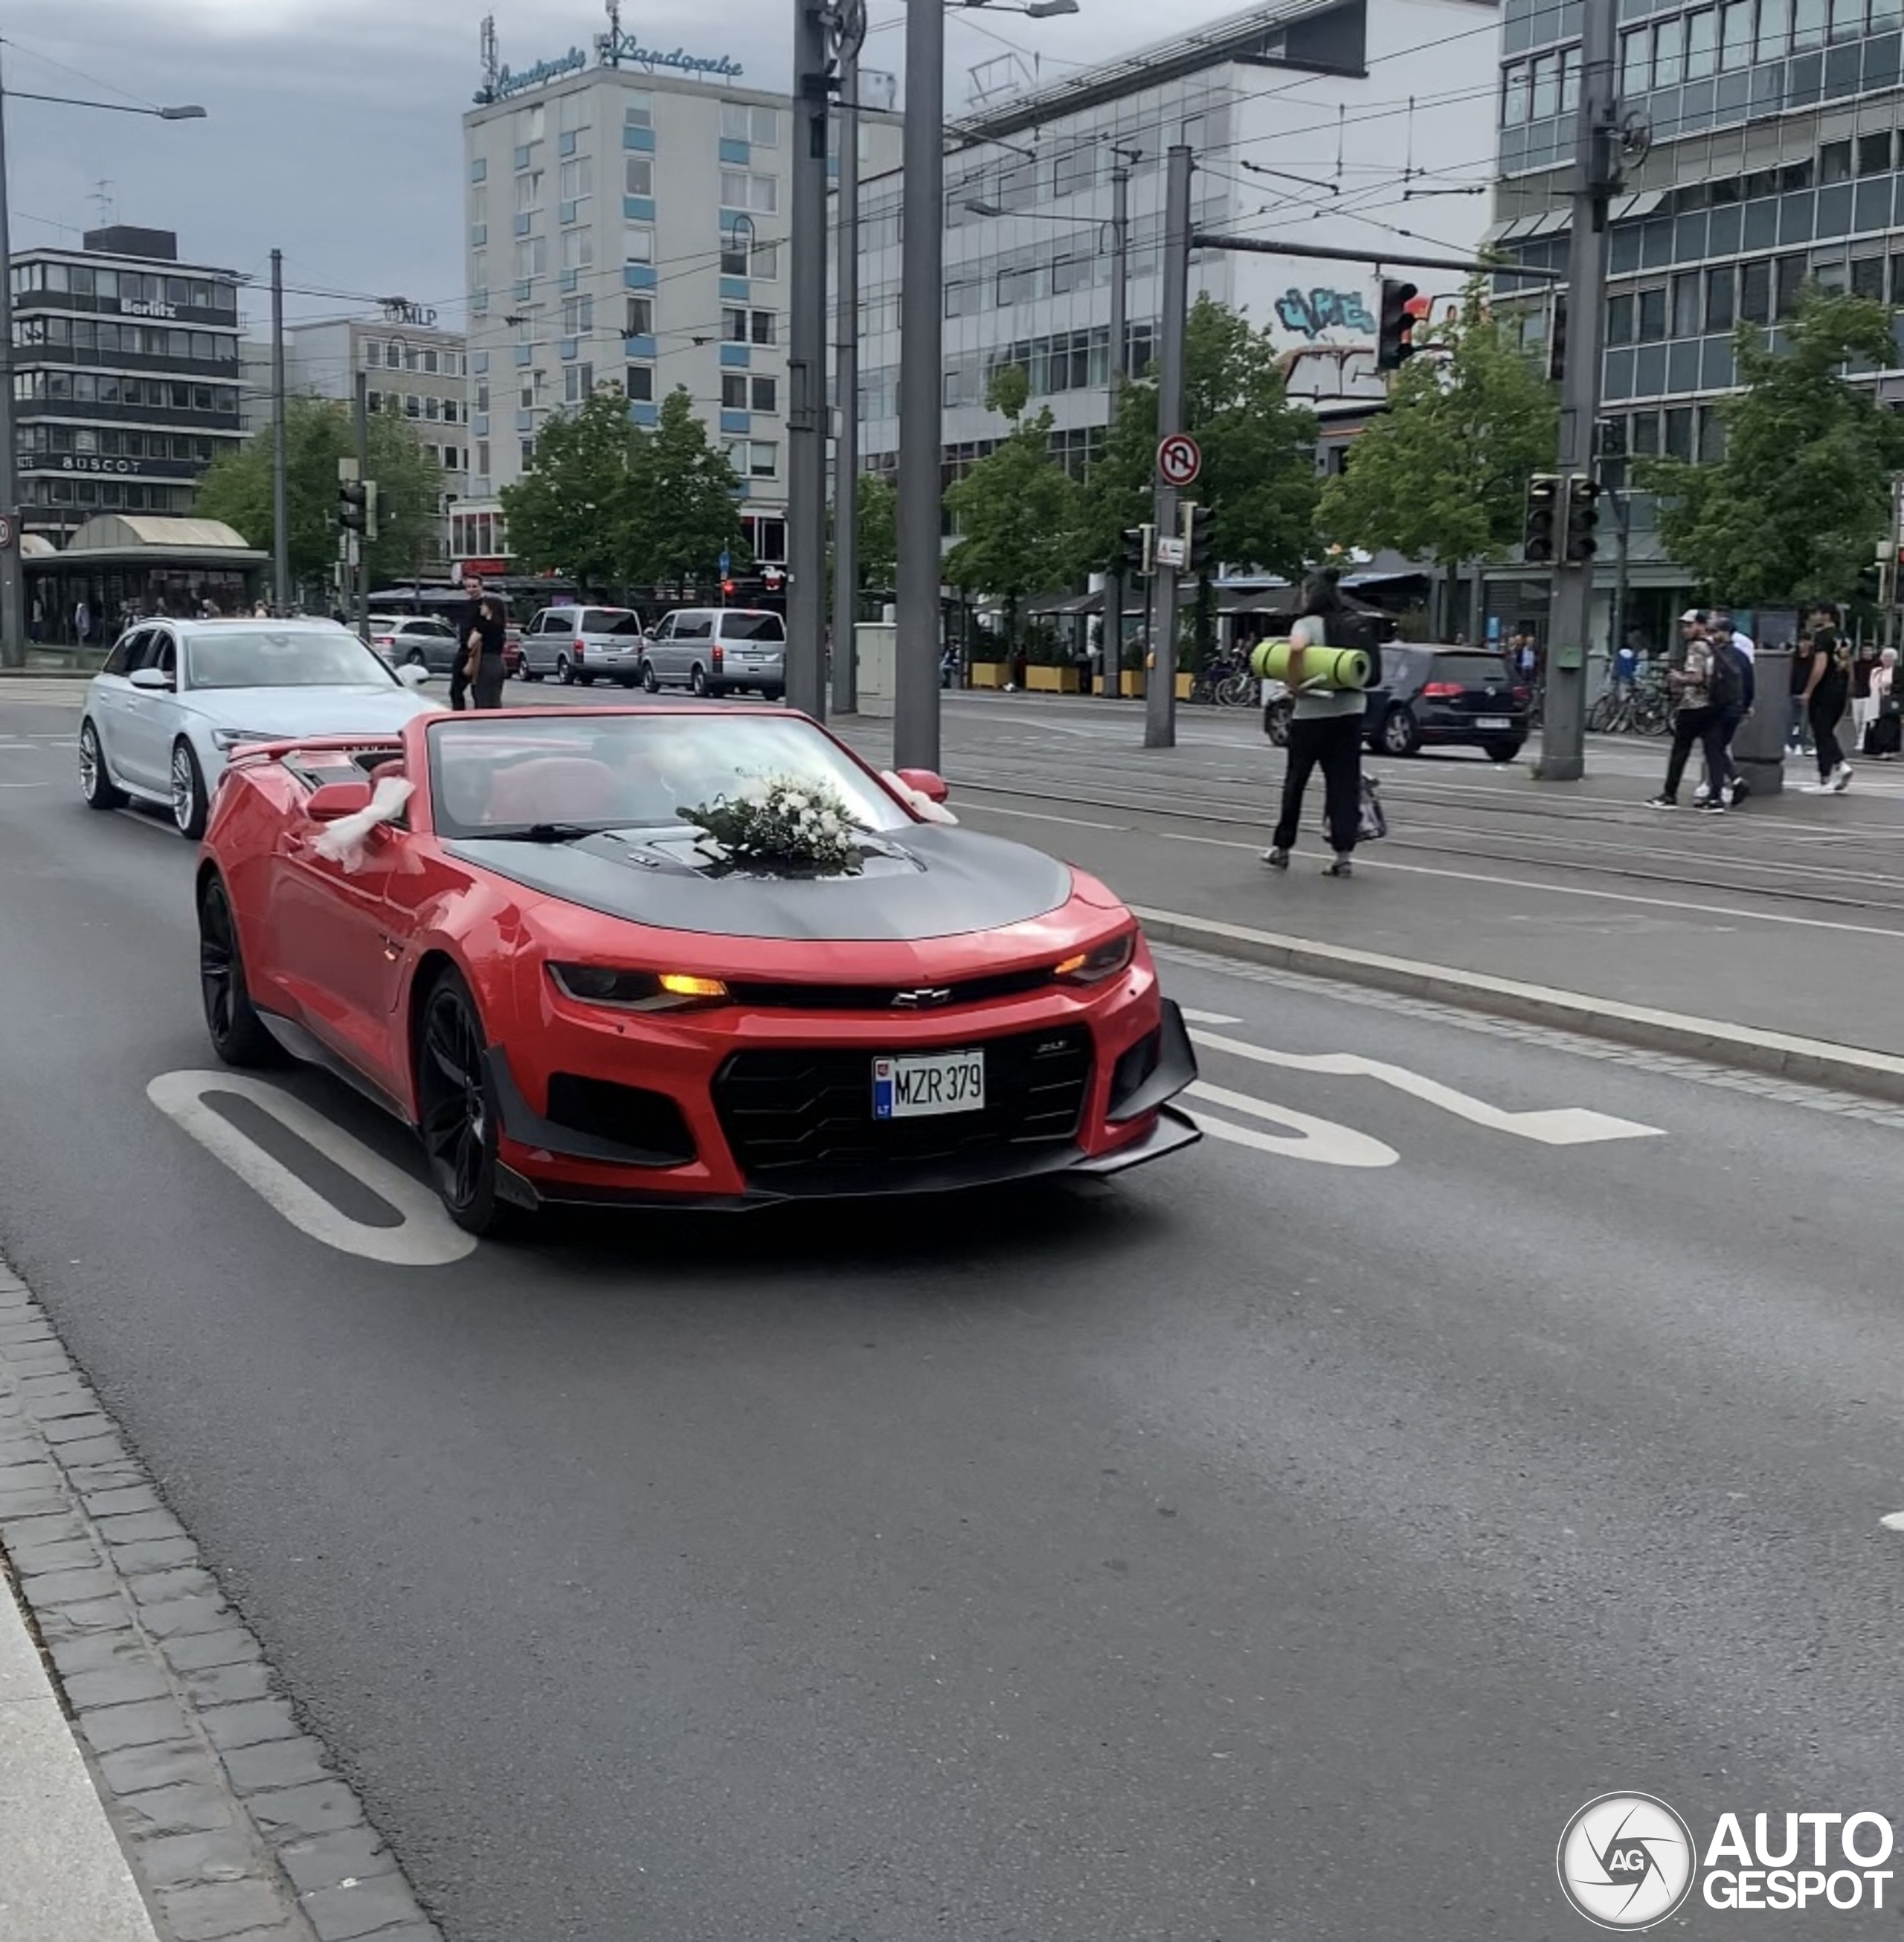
{"points": [[1725, 685], [1343, 628]]}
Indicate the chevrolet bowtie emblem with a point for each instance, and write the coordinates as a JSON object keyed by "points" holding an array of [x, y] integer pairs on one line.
{"points": [[914, 1001]]}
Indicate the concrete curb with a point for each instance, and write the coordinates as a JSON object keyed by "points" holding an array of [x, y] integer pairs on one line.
{"points": [[63, 1876], [1801, 1061]]}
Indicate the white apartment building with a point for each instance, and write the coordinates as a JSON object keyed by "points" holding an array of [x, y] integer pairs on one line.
{"points": [[627, 224], [1339, 123]]}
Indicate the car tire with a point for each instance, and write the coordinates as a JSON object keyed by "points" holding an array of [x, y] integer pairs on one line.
{"points": [[416, 657], [565, 672], [239, 1036], [627, 680], [95, 784], [1501, 751], [773, 693], [650, 681], [456, 1114], [697, 681], [189, 802], [1400, 735], [584, 680], [531, 674]]}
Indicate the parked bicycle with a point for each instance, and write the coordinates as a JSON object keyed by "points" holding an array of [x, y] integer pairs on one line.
{"points": [[1635, 708], [1226, 682]]}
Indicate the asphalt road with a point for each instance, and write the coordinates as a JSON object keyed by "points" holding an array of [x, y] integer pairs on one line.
{"points": [[1281, 1543]]}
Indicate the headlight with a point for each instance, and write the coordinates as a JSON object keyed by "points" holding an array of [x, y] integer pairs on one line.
{"points": [[225, 740], [1101, 961], [637, 990]]}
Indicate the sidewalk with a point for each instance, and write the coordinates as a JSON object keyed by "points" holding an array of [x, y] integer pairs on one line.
{"points": [[62, 1876]]}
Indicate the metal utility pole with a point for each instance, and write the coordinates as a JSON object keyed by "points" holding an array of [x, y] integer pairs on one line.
{"points": [[916, 658], [360, 554], [1563, 722], [1160, 679], [806, 415], [280, 435], [845, 385], [13, 576], [1120, 332]]}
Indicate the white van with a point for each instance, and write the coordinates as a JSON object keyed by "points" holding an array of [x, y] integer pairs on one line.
{"points": [[718, 651]]}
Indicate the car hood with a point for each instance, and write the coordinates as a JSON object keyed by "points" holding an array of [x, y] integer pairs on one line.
{"points": [[288, 711], [915, 883]]}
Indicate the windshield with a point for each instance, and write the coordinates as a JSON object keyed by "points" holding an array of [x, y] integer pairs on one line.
{"points": [[609, 620], [260, 658], [630, 771]]}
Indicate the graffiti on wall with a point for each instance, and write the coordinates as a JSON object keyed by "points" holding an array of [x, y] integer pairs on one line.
{"points": [[1312, 312]]}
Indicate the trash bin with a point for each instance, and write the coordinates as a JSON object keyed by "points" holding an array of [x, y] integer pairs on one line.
{"points": [[1759, 747]]}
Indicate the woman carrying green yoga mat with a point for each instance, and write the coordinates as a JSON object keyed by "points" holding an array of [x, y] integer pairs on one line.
{"points": [[1326, 724]]}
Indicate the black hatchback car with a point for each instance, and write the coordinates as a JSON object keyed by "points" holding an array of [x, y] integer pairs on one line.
{"points": [[1437, 697]]}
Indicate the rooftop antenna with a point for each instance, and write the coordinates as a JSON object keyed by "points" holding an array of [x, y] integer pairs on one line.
{"points": [[609, 46], [102, 196], [491, 61]]}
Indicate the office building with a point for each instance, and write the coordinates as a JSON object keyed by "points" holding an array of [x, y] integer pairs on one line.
{"points": [[1773, 158], [1318, 121], [126, 377], [627, 224]]}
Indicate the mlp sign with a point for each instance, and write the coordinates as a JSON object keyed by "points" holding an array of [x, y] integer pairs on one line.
{"points": [[1179, 459]]}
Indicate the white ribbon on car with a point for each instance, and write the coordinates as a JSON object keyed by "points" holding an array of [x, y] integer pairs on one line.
{"points": [[922, 805], [343, 842]]}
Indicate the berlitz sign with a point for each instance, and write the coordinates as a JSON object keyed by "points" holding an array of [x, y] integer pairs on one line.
{"points": [[162, 310]]}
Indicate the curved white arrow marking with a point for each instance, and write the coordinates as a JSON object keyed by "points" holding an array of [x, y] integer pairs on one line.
{"points": [[1560, 1127], [1321, 1140], [426, 1237]]}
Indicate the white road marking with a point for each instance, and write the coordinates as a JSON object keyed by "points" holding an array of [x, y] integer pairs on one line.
{"points": [[1560, 1126], [1035, 816], [1321, 1140], [1893, 1520], [1208, 1018], [426, 1236]]}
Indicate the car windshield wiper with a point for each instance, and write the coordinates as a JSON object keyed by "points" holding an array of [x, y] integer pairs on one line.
{"points": [[540, 832]]}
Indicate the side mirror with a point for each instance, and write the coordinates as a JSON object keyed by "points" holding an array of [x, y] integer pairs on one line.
{"points": [[411, 676], [929, 784], [331, 802], [151, 680]]}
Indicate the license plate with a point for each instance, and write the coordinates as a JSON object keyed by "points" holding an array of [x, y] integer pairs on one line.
{"points": [[1494, 721], [917, 1085]]}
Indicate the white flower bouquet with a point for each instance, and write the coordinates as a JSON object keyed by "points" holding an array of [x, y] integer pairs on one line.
{"points": [[780, 822]]}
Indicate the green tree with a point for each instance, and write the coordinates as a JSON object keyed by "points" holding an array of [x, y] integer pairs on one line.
{"points": [[1795, 508], [318, 432], [682, 510], [1018, 510], [1442, 475], [879, 530], [570, 514], [1259, 450]]}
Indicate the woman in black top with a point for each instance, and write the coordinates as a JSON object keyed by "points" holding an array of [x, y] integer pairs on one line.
{"points": [[484, 644], [1827, 695]]}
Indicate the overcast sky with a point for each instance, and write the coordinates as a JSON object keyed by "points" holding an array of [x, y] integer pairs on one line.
{"points": [[334, 131]]}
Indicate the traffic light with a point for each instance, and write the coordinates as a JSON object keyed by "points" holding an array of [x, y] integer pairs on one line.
{"points": [[1583, 498], [1556, 339], [353, 506], [1196, 537], [1139, 550], [1394, 344], [1542, 530]]}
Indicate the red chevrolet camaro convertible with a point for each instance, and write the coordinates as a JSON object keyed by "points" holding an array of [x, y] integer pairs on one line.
{"points": [[674, 955]]}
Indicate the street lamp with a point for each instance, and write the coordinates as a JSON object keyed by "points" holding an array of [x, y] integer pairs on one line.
{"points": [[916, 658], [12, 577]]}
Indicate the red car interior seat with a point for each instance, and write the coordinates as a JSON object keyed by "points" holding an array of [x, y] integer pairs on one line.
{"points": [[554, 789]]}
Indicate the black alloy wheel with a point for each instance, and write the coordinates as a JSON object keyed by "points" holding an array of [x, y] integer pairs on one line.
{"points": [[1400, 736], [455, 1115], [238, 1035]]}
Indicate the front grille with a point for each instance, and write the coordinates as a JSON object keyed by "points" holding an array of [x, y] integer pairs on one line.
{"points": [[650, 1123], [808, 1115], [885, 997]]}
